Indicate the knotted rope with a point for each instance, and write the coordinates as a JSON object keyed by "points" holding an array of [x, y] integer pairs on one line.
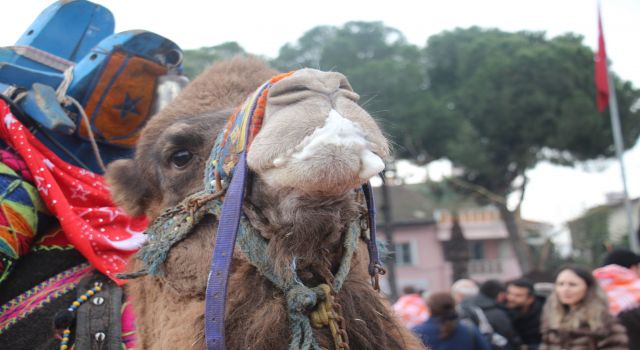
{"points": [[300, 298]]}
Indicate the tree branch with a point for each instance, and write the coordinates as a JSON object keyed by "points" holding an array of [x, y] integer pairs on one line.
{"points": [[479, 190], [522, 189]]}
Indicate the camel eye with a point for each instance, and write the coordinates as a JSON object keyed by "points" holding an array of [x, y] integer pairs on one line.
{"points": [[181, 158]]}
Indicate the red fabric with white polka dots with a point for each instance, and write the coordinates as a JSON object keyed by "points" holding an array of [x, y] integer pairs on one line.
{"points": [[80, 200]]}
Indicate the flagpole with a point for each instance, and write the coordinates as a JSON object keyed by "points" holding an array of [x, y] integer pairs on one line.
{"points": [[605, 87], [617, 139]]}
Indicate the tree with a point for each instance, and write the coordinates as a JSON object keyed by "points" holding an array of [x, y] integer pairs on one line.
{"points": [[501, 102], [492, 102], [457, 250], [195, 61], [387, 71], [591, 238]]}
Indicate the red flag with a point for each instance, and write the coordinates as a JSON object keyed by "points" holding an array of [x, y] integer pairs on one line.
{"points": [[602, 81]]}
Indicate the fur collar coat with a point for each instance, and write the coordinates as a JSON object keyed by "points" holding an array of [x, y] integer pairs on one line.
{"points": [[575, 329]]}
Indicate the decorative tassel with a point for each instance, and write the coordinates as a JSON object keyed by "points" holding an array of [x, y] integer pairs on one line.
{"points": [[64, 318]]}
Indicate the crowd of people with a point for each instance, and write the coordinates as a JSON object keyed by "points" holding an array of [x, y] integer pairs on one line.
{"points": [[585, 310]]}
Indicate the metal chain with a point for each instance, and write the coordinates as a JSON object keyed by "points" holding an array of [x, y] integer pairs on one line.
{"points": [[340, 337]]}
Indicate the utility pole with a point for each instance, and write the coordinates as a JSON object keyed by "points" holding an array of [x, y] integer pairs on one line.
{"points": [[385, 207]]}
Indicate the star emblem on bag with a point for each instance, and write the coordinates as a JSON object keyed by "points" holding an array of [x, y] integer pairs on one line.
{"points": [[129, 105]]}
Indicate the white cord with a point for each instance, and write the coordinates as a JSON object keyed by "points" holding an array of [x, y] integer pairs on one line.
{"points": [[94, 145], [61, 92], [61, 95]]}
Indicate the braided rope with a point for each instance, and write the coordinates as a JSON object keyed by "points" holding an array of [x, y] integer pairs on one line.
{"points": [[171, 227]]}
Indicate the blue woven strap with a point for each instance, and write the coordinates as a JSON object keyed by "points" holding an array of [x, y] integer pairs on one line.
{"points": [[222, 255], [374, 258]]}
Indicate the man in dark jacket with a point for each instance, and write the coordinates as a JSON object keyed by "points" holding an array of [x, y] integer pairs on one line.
{"points": [[487, 301], [525, 311]]}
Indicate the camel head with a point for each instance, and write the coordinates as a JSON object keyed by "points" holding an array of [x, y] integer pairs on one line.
{"points": [[315, 137], [308, 150]]}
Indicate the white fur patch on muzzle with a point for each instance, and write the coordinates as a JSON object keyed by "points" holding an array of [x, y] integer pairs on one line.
{"points": [[342, 132]]}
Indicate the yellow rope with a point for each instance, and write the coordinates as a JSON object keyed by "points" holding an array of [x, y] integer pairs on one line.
{"points": [[325, 315]]}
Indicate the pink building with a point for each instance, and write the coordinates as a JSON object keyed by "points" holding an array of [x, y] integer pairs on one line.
{"points": [[420, 230], [491, 254]]}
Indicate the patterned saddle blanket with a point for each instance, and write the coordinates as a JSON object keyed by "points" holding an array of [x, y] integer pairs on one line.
{"points": [[60, 234]]}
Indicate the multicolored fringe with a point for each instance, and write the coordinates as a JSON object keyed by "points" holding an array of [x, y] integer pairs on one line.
{"points": [[40, 295]]}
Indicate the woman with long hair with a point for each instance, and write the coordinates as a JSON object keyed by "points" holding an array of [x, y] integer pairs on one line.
{"points": [[442, 331], [576, 315]]}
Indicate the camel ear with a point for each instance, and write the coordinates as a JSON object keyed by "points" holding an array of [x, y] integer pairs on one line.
{"points": [[129, 187]]}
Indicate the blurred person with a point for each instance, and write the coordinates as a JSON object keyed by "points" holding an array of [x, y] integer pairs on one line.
{"points": [[525, 310], [443, 331], [486, 312], [496, 290], [462, 289], [411, 308], [620, 278], [576, 316]]}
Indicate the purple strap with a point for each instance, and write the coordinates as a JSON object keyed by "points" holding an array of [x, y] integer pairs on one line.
{"points": [[216, 293], [374, 258], [229, 221]]}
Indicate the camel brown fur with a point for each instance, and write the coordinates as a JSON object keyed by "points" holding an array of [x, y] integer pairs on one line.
{"points": [[301, 202]]}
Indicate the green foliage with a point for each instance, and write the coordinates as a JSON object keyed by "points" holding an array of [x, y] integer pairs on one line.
{"points": [[387, 72], [446, 195], [195, 61], [514, 99], [589, 236], [494, 103]]}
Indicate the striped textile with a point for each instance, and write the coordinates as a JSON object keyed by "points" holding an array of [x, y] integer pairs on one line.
{"points": [[40, 295], [232, 141]]}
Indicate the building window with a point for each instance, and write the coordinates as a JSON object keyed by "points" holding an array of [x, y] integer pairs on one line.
{"points": [[477, 250], [404, 254]]}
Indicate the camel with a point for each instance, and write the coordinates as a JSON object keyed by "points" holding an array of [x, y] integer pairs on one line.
{"points": [[306, 164]]}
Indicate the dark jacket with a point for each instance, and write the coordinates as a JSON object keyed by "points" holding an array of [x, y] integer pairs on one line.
{"points": [[527, 325], [463, 337], [612, 337], [497, 316], [630, 319]]}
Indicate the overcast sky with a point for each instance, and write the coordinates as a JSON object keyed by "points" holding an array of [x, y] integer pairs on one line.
{"points": [[554, 194]]}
